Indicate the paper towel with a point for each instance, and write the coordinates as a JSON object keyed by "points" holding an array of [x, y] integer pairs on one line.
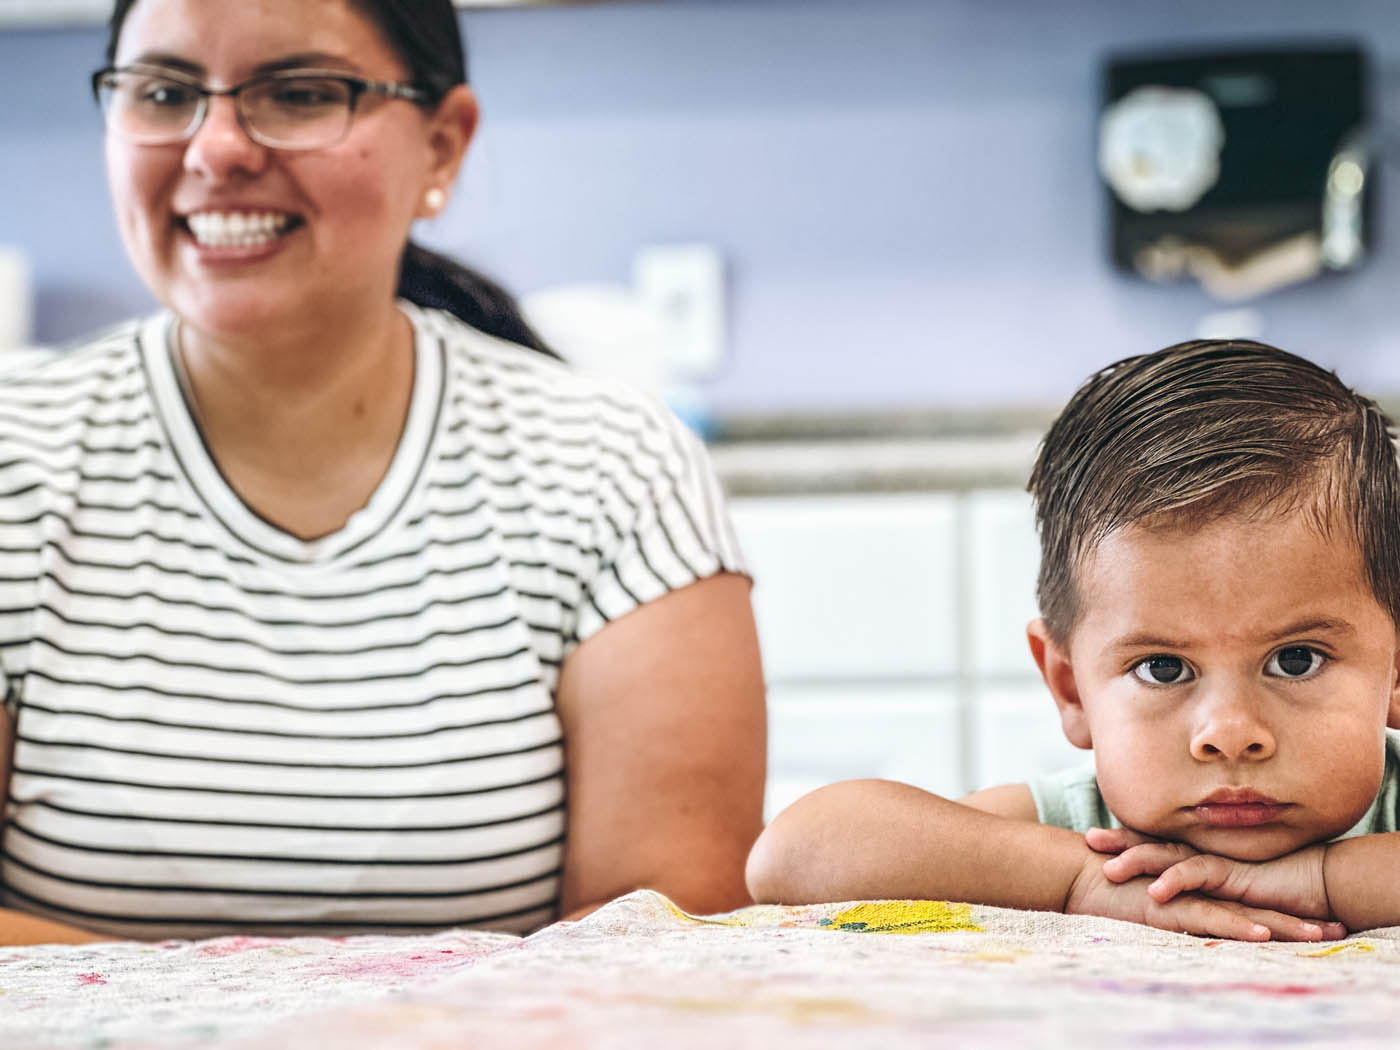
{"points": [[16, 299]]}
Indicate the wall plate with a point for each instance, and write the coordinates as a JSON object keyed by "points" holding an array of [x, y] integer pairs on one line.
{"points": [[684, 285]]}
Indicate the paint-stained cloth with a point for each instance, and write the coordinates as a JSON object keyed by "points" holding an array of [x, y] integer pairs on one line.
{"points": [[640, 973]]}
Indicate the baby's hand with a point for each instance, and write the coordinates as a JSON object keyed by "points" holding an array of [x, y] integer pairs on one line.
{"points": [[1292, 883], [1093, 893]]}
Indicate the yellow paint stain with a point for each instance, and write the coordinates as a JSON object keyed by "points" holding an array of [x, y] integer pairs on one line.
{"points": [[1338, 949], [671, 907], [754, 915], [802, 1011], [904, 917], [995, 957], [865, 917]]}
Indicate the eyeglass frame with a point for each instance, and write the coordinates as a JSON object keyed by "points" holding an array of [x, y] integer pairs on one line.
{"points": [[359, 87]]}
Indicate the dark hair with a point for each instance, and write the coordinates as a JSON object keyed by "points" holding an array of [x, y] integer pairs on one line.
{"points": [[1204, 429], [426, 35]]}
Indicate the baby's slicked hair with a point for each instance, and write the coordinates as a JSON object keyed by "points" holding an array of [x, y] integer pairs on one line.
{"points": [[1206, 429]]}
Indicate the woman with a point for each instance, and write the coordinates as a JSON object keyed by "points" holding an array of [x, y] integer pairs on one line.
{"points": [[316, 604]]}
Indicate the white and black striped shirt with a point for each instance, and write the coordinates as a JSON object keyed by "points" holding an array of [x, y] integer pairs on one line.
{"points": [[222, 727]]}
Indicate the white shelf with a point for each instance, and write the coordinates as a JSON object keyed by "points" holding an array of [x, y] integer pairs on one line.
{"points": [[53, 12]]}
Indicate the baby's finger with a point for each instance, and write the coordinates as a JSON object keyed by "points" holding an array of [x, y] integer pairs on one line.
{"points": [[1153, 858], [1284, 927], [1208, 918], [1204, 872], [1113, 840]]}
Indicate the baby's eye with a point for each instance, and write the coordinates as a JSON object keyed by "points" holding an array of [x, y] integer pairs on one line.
{"points": [[1163, 670], [1295, 661]]}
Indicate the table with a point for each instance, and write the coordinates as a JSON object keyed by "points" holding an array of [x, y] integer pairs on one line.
{"points": [[641, 973]]}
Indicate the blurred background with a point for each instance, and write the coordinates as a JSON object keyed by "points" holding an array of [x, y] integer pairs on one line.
{"points": [[866, 249]]}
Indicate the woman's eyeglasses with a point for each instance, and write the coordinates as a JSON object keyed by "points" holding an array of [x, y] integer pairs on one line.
{"points": [[290, 109]]}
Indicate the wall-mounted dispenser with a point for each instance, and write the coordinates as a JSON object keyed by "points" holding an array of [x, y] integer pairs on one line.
{"points": [[1247, 170]]}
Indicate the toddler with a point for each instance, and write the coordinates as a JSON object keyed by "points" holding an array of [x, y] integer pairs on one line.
{"points": [[1219, 595]]}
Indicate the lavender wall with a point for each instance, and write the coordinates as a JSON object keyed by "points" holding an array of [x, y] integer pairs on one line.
{"points": [[903, 189]]}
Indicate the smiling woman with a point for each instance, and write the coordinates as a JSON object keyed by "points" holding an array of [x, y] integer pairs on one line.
{"points": [[329, 599]]}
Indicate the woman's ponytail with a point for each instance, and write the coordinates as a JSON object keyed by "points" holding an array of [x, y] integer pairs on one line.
{"points": [[433, 280]]}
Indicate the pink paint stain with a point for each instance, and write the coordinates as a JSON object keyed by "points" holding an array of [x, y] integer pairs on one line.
{"points": [[393, 965], [91, 978], [234, 945], [1278, 990]]}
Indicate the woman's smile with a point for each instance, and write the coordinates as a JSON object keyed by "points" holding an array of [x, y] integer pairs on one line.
{"points": [[223, 238]]}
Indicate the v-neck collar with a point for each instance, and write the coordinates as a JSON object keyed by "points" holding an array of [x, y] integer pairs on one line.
{"points": [[264, 540]]}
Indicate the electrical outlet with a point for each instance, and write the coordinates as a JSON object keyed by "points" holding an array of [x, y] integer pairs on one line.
{"points": [[683, 285]]}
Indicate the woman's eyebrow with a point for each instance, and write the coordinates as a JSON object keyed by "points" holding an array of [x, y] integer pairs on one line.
{"points": [[298, 60], [167, 60], [305, 60]]}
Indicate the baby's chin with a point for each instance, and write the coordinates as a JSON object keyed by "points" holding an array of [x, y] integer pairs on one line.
{"points": [[1249, 844]]}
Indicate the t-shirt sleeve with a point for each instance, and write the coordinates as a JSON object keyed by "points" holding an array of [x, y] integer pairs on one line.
{"points": [[1071, 799], [662, 522]]}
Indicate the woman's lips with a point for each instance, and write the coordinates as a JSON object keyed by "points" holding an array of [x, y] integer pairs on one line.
{"points": [[237, 237], [1238, 808]]}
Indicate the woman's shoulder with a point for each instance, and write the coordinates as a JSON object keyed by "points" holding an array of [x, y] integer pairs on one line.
{"points": [[37, 374], [518, 384]]}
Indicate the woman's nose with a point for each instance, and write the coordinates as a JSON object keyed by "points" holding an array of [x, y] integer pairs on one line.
{"points": [[1230, 726], [220, 146]]}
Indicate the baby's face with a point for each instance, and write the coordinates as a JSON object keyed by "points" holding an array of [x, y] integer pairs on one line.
{"points": [[1235, 681]]}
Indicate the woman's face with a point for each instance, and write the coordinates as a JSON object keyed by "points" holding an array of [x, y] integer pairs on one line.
{"points": [[324, 228]]}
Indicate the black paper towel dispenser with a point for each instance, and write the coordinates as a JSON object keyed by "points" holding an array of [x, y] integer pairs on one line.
{"points": [[1247, 170]]}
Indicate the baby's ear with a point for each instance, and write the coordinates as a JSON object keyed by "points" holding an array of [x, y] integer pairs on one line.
{"points": [[1393, 716], [1053, 660]]}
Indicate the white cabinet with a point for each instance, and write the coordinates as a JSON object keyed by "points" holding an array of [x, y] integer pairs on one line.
{"points": [[893, 633], [841, 731], [832, 585], [1015, 733], [1003, 557]]}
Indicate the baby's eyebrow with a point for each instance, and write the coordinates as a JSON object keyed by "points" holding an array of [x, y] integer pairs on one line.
{"points": [[1314, 625], [1149, 641]]}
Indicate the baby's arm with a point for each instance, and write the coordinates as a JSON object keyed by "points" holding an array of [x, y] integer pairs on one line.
{"points": [[1361, 881], [866, 839], [873, 839]]}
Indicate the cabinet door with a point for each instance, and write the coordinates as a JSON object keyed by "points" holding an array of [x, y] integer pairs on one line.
{"points": [[853, 587], [1003, 557], [821, 733], [1016, 729]]}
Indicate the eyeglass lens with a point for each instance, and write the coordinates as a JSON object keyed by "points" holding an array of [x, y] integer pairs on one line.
{"points": [[287, 112]]}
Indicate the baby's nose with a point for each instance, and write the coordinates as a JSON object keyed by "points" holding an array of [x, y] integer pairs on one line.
{"points": [[1232, 728]]}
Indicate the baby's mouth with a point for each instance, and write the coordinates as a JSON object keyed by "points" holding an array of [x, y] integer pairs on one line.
{"points": [[1238, 808], [216, 229]]}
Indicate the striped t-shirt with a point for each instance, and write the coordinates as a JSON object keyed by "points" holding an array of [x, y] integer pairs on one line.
{"points": [[220, 726]]}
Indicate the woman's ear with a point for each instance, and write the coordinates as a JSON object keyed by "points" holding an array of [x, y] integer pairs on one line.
{"points": [[1053, 660], [450, 130]]}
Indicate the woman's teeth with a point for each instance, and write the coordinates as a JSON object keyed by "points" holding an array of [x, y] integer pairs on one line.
{"points": [[237, 229]]}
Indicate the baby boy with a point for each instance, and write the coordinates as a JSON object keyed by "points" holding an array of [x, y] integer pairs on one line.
{"points": [[1219, 594]]}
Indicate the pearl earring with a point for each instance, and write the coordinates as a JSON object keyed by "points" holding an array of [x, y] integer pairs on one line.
{"points": [[434, 199]]}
